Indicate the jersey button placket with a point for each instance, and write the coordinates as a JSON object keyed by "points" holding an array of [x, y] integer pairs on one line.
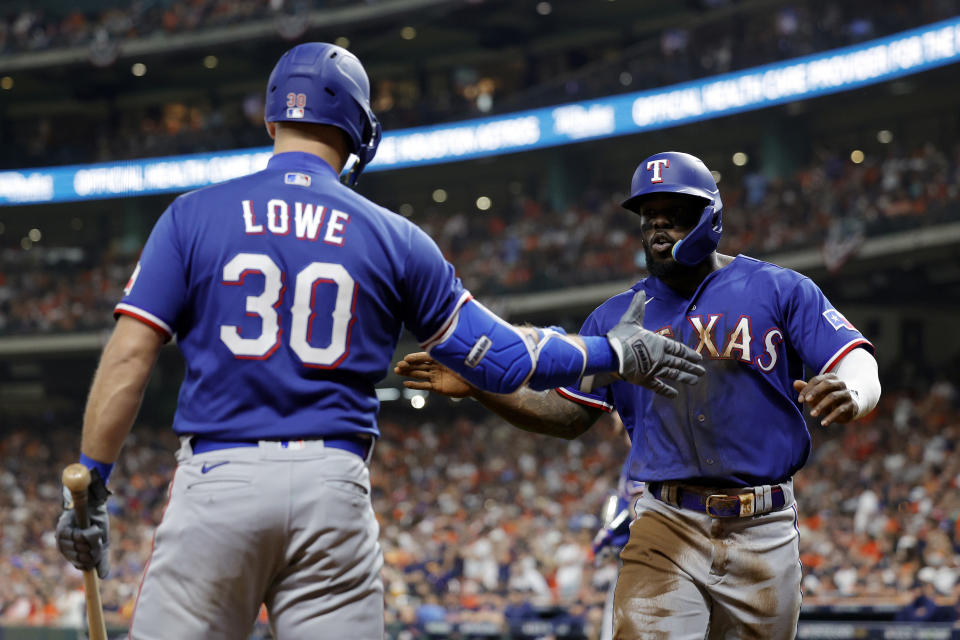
{"points": [[702, 418]]}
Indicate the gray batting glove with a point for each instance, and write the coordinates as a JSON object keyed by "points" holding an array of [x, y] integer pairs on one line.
{"points": [[86, 548], [646, 357]]}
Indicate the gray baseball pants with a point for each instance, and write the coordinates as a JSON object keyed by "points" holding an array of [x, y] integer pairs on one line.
{"points": [[292, 528], [688, 576]]}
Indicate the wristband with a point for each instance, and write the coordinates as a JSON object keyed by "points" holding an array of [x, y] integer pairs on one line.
{"points": [[600, 355], [104, 468]]}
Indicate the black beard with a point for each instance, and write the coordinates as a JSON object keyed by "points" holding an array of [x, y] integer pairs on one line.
{"points": [[665, 270]]}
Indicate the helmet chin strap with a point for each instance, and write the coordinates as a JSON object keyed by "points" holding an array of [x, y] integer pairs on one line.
{"points": [[364, 154], [353, 174]]}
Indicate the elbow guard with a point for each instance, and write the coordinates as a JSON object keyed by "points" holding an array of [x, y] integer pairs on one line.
{"points": [[493, 355], [486, 351], [560, 361]]}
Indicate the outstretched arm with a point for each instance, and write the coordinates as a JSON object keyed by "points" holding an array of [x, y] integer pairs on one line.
{"points": [[497, 356], [544, 412]]}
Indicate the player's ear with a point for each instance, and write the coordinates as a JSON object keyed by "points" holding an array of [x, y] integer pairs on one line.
{"points": [[271, 129]]}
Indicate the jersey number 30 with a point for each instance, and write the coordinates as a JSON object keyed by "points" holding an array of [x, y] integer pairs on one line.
{"points": [[266, 304]]}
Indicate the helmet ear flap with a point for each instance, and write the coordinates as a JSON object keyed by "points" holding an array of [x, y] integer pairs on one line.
{"points": [[717, 219], [697, 245], [367, 147]]}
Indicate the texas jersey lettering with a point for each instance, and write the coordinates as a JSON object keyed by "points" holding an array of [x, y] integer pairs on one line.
{"points": [[756, 325]]}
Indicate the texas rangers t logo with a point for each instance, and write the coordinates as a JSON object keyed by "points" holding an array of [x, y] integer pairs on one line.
{"points": [[655, 165]]}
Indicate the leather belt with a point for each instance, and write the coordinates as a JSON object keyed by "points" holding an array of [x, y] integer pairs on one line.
{"points": [[358, 445], [735, 503]]}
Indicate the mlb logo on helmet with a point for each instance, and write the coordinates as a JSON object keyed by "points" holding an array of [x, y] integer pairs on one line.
{"points": [[295, 104]]}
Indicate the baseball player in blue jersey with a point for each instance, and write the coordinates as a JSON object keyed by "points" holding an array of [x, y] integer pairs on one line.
{"points": [[287, 292], [713, 551]]}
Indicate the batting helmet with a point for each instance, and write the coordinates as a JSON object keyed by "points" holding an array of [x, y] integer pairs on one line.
{"points": [[675, 172], [325, 84]]}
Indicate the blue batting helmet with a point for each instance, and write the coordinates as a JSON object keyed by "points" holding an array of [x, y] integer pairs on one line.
{"points": [[675, 172], [325, 84]]}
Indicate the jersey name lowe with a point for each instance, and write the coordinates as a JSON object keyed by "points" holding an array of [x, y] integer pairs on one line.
{"points": [[308, 219]]}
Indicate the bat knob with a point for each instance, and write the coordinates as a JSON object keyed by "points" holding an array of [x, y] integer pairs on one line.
{"points": [[76, 478]]}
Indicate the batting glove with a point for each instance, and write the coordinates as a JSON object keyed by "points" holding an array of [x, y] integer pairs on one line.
{"points": [[646, 357], [86, 548]]}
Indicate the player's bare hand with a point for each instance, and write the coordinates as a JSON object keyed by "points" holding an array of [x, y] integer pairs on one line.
{"points": [[429, 375], [826, 395]]}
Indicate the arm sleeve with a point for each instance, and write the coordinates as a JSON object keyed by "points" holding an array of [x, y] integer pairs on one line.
{"points": [[156, 292], [819, 333], [858, 370]]}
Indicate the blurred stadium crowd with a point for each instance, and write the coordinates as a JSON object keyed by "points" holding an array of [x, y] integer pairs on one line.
{"points": [[715, 43], [796, 28], [523, 246], [33, 29], [485, 525], [482, 524]]}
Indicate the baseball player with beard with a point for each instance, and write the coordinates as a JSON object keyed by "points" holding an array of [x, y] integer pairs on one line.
{"points": [[713, 551], [287, 292]]}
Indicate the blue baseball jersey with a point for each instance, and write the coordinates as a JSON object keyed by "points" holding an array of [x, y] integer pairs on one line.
{"points": [[287, 292], [757, 326]]}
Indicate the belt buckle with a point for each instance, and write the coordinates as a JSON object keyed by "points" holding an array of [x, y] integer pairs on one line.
{"points": [[729, 504]]}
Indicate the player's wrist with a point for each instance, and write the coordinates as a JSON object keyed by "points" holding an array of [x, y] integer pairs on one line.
{"points": [[103, 468], [601, 357], [861, 409]]}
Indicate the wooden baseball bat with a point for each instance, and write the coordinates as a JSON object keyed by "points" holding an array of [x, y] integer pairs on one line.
{"points": [[76, 478]]}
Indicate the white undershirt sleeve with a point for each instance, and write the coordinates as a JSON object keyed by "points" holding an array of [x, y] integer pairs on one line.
{"points": [[858, 370]]}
